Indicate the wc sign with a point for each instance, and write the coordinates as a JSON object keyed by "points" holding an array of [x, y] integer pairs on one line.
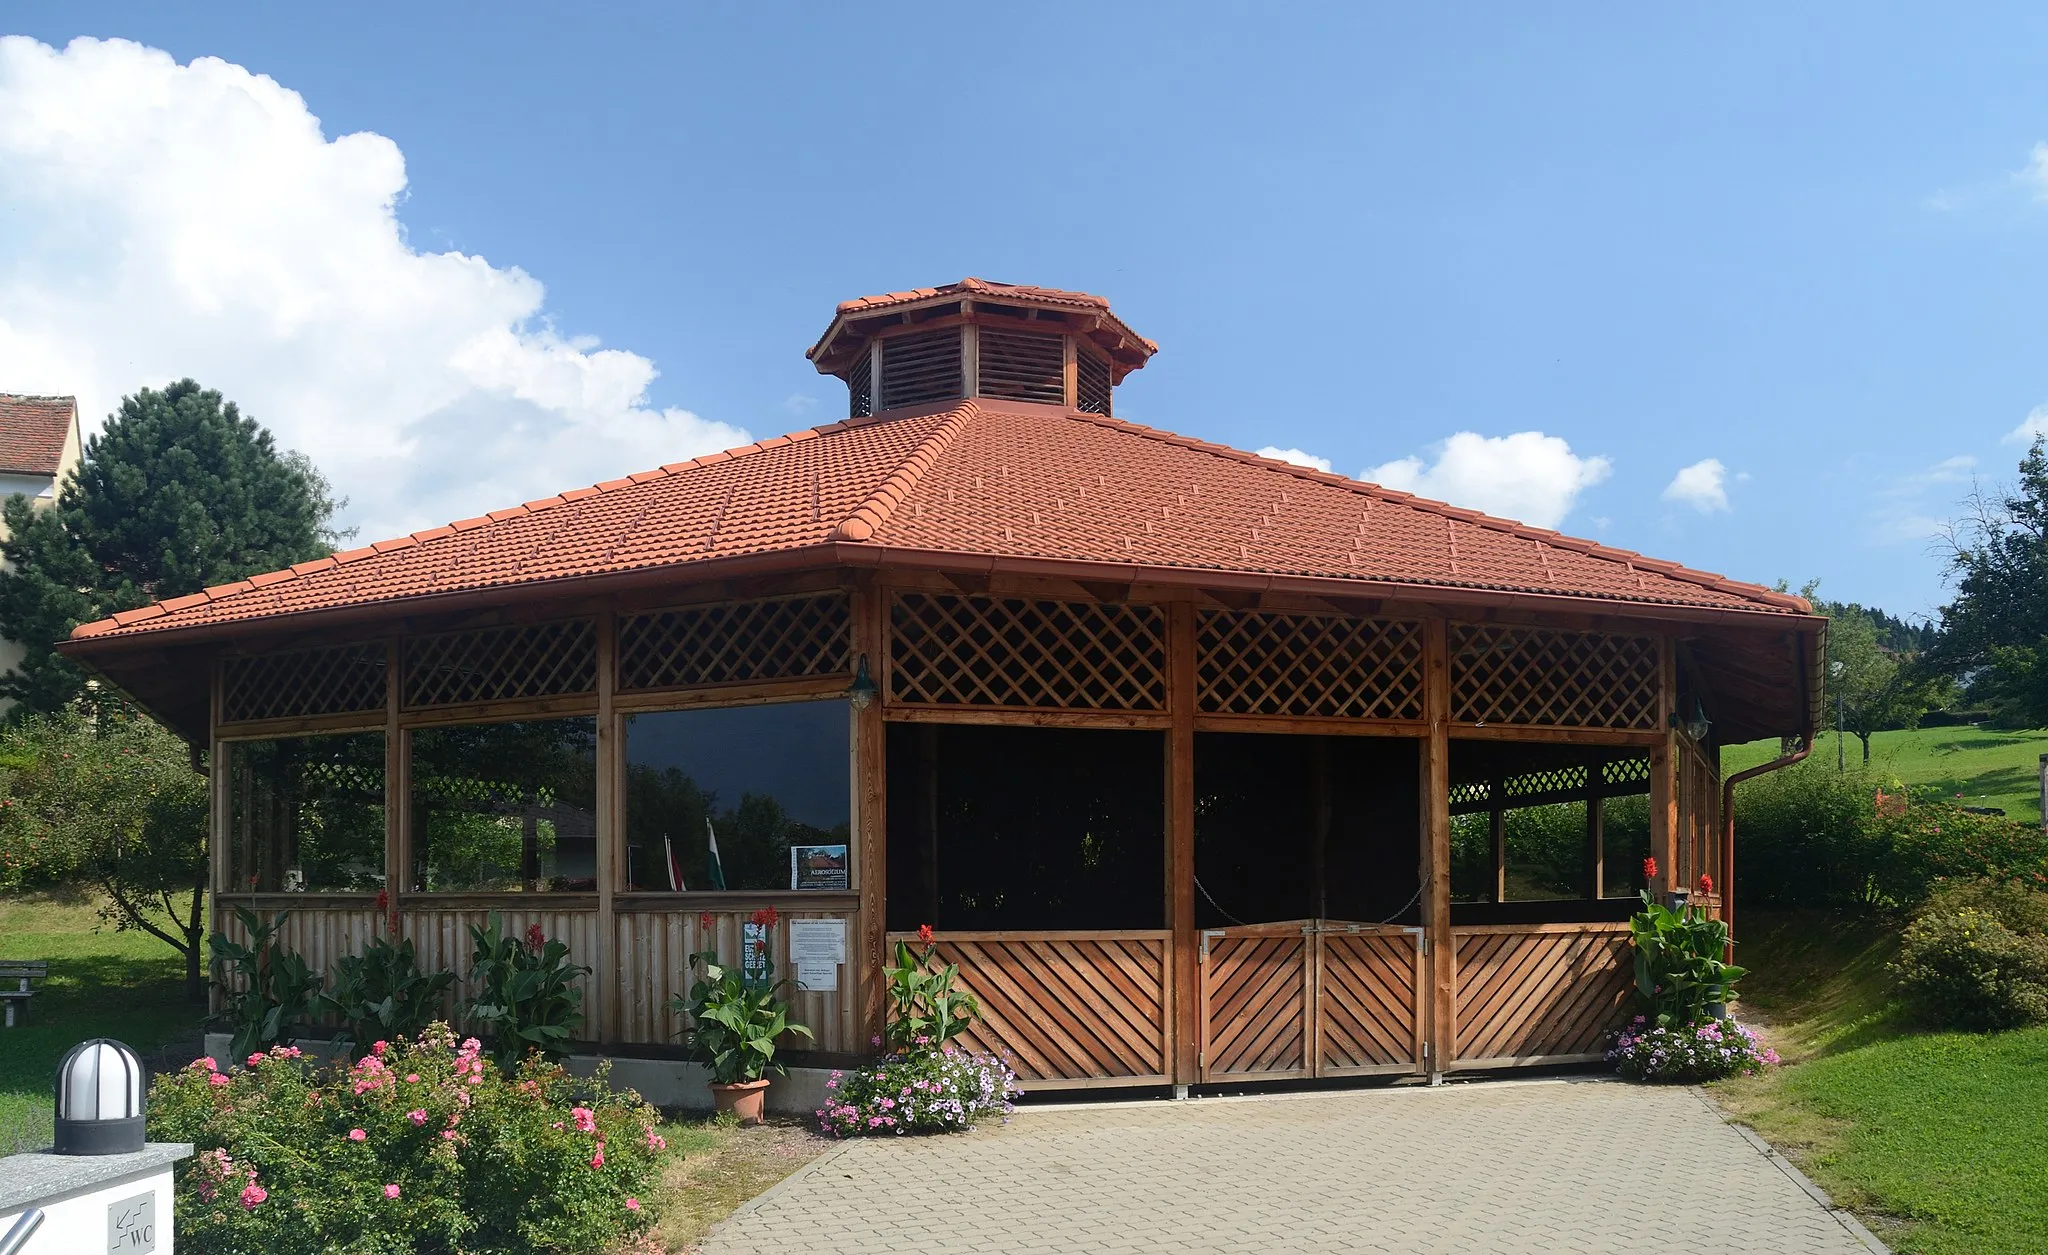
{"points": [[131, 1225]]}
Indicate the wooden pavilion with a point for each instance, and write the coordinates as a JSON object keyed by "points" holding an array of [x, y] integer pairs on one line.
{"points": [[1206, 767]]}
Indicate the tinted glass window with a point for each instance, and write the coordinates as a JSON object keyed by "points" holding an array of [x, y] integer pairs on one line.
{"points": [[505, 807], [306, 814], [769, 788]]}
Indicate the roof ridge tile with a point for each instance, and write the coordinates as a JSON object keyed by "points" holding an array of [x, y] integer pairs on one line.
{"points": [[868, 517]]}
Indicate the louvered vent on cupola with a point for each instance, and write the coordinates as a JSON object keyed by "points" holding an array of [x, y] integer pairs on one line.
{"points": [[921, 367], [1023, 366], [998, 341]]}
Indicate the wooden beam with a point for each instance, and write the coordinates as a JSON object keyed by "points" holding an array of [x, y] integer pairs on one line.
{"points": [[972, 583], [1109, 594], [1436, 847], [611, 833], [397, 794], [1183, 1033], [871, 819], [1664, 764]]}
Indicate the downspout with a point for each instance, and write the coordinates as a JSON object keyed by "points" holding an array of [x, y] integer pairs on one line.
{"points": [[1728, 801]]}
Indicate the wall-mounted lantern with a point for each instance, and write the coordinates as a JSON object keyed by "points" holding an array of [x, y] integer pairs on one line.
{"points": [[862, 691], [99, 1100]]}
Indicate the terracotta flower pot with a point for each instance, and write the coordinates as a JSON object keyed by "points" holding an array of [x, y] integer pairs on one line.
{"points": [[744, 1099]]}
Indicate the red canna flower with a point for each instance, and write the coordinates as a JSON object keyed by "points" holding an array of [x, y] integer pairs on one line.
{"points": [[707, 921], [924, 933], [765, 917], [535, 938], [1706, 884], [1650, 868], [760, 947]]}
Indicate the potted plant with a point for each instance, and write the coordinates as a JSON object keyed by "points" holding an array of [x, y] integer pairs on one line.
{"points": [[734, 1024]]}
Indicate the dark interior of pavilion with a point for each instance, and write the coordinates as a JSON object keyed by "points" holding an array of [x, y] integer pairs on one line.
{"points": [[994, 828]]}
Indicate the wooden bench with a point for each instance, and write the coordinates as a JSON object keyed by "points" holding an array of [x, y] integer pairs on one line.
{"points": [[15, 974]]}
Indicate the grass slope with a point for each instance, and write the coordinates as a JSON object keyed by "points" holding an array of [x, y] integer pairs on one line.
{"points": [[1988, 767], [1935, 1138], [127, 986]]}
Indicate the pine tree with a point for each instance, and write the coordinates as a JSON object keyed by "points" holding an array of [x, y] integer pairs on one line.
{"points": [[178, 493]]}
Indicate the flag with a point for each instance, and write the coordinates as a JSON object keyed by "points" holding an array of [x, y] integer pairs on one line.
{"points": [[712, 867], [675, 869]]}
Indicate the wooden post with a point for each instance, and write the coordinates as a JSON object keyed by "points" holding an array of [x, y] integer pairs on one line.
{"points": [[397, 793], [1596, 831], [611, 834], [1497, 828], [928, 815], [871, 926], [1319, 853], [1664, 760], [1183, 1031], [1436, 848]]}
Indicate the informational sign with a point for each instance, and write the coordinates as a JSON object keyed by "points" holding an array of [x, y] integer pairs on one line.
{"points": [[818, 867], [754, 954], [816, 948], [131, 1225]]}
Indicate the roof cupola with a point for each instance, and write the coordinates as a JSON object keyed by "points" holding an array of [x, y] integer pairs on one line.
{"points": [[976, 338]]}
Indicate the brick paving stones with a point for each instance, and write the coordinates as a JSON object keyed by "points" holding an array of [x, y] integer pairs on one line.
{"points": [[1574, 1166]]}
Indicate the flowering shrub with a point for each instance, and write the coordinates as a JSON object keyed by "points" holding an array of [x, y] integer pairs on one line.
{"points": [[1688, 1053], [526, 993], [923, 1008], [420, 1147], [928, 1091]]}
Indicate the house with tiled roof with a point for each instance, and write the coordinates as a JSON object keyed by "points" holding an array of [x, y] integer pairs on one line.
{"points": [[1206, 768], [39, 446]]}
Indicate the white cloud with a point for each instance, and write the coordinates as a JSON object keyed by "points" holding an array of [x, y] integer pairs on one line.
{"points": [[166, 220], [1703, 486], [2035, 175], [2034, 425], [1295, 456], [1527, 476]]}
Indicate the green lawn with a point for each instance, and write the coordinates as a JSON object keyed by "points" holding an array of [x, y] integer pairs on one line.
{"points": [[1988, 767], [1936, 1139], [128, 986]]}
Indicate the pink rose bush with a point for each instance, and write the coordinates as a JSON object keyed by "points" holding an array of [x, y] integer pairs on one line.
{"points": [[420, 1147]]}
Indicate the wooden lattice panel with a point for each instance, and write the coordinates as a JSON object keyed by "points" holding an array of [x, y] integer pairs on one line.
{"points": [[736, 643], [920, 367], [1022, 366], [1540, 991], [1367, 1002], [1249, 663], [1092, 387], [341, 680], [1017, 653], [1618, 772], [1069, 1007], [1539, 676], [1254, 1005], [501, 664]]}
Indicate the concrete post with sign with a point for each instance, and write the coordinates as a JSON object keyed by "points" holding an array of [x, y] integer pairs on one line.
{"points": [[120, 1204]]}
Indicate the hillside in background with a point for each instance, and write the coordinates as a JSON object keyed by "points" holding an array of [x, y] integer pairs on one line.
{"points": [[1987, 767]]}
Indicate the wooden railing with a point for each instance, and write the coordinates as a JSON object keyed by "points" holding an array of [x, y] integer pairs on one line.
{"points": [[1069, 1009], [655, 940], [1538, 993]]}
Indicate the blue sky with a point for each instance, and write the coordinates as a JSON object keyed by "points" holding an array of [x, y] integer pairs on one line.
{"points": [[1809, 247]]}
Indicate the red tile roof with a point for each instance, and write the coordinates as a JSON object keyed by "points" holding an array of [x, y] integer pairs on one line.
{"points": [[981, 480], [970, 287], [33, 431]]}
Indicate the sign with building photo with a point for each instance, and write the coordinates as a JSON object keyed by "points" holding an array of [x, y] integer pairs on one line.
{"points": [[818, 867]]}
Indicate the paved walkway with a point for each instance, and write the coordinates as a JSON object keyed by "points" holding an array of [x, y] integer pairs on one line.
{"points": [[1517, 1166]]}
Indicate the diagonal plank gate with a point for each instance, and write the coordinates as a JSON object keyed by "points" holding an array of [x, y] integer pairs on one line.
{"points": [[1310, 998]]}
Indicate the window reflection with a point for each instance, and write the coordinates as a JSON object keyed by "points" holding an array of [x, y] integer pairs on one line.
{"points": [[306, 814], [739, 797], [505, 807]]}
